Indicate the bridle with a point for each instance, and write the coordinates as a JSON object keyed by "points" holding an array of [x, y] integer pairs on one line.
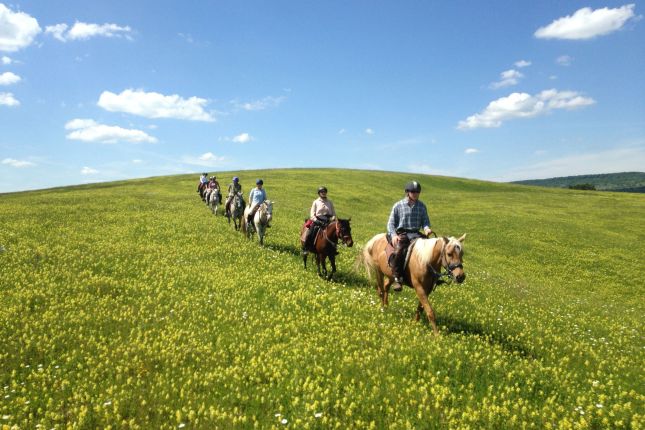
{"points": [[450, 267], [339, 235]]}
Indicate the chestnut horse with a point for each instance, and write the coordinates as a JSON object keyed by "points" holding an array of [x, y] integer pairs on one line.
{"points": [[422, 272], [326, 244]]}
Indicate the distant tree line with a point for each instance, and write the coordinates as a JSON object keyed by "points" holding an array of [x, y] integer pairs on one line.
{"points": [[582, 187]]}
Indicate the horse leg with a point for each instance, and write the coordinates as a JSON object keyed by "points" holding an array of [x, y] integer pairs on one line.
{"points": [[379, 288], [419, 309], [386, 289], [332, 261], [320, 262], [425, 304]]}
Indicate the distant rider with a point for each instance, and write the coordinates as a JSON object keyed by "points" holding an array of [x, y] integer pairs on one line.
{"points": [[214, 185], [233, 188], [407, 217], [256, 197], [322, 211], [203, 180]]}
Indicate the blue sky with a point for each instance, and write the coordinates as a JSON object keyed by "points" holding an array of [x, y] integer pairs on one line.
{"points": [[109, 90]]}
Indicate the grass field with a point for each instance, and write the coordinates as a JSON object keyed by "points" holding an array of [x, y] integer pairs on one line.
{"points": [[128, 305]]}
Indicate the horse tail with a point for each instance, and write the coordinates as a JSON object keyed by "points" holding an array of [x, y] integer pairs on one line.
{"points": [[366, 260]]}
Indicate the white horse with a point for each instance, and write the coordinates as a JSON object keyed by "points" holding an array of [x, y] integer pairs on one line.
{"points": [[214, 200], [262, 217]]}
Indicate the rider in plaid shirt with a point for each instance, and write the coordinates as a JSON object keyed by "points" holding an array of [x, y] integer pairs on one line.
{"points": [[408, 216]]}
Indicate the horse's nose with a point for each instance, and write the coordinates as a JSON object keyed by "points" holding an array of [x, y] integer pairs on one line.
{"points": [[350, 243], [461, 277]]}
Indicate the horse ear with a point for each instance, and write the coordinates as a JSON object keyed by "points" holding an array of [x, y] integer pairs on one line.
{"points": [[349, 219], [462, 238]]}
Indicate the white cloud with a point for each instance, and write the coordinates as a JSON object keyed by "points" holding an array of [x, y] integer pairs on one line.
{"points": [[523, 105], [243, 138], [6, 60], [342, 131], [262, 104], [83, 30], [471, 151], [137, 161], [564, 60], [507, 78], [17, 29], [57, 31], [8, 78], [205, 160], [155, 105], [88, 130], [7, 99], [17, 163], [610, 161], [522, 63], [586, 23], [369, 131], [88, 171]]}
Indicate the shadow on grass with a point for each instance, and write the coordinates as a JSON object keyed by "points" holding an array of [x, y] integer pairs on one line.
{"points": [[287, 249], [458, 326]]}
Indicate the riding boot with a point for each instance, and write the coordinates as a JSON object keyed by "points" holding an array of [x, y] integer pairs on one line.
{"points": [[398, 261]]}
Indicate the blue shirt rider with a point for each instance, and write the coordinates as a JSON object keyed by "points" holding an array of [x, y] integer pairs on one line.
{"points": [[256, 197], [408, 216]]}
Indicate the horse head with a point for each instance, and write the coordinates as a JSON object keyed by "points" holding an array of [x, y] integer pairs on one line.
{"points": [[452, 254], [344, 231], [268, 209]]}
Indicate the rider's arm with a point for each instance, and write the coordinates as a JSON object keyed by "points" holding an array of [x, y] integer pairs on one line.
{"points": [[425, 221], [393, 221], [312, 212], [332, 210]]}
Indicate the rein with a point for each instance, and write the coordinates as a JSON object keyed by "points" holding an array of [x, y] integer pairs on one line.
{"points": [[329, 241]]}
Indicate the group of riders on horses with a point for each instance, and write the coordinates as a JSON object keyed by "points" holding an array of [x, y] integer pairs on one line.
{"points": [[408, 217], [256, 196]]}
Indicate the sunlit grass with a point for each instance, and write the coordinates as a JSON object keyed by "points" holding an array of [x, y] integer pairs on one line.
{"points": [[130, 305]]}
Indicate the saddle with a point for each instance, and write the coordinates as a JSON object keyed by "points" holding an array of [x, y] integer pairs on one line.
{"points": [[389, 251]]}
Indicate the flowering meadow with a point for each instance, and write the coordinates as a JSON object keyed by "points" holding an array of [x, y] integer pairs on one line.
{"points": [[129, 305]]}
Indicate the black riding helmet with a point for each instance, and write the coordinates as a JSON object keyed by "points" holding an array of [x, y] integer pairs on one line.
{"points": [[413, 187], [322, 190], [259, 182]]}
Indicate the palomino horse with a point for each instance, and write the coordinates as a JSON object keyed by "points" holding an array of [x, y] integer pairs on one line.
{"points": [[326, 244], [262, 216], [214, 200], [422, 272], [235, 210]]}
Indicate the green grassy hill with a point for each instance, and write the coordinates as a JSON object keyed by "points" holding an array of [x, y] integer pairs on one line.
{"points": [[633, 182], [129, 305]]}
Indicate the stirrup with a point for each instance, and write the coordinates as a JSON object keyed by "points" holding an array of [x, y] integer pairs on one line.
{"points": [[397, 285]]}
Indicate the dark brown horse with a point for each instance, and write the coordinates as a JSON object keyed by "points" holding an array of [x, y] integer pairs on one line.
{"points": [[326, 245], [427, 257]]}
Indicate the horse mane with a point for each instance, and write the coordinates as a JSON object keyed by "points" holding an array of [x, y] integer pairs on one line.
{"points": [[424, 249]]}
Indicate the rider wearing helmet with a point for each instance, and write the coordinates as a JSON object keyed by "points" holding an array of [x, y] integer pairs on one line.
{"points": [[214, 185], [408, 216], [322, 211], [203, 180], [256, 197], [233, 188]]}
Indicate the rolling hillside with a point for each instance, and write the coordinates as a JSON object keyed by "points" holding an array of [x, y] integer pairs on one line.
{"points": [[633, 182], [128, 304]]}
